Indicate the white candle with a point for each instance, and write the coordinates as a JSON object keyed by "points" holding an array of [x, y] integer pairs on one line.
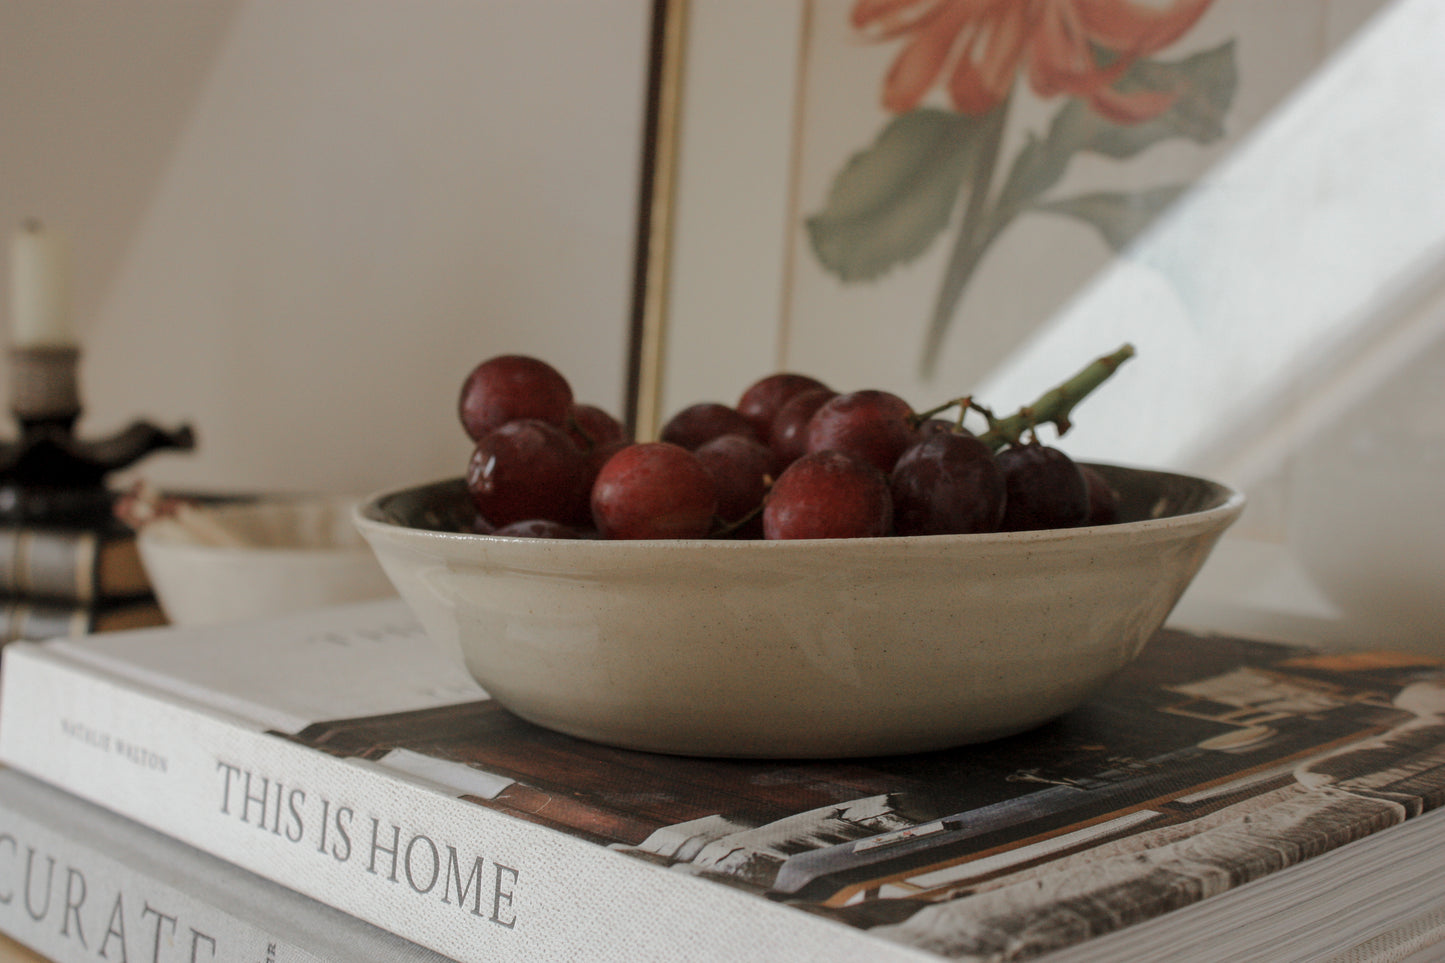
{"points": [[40, 288]]}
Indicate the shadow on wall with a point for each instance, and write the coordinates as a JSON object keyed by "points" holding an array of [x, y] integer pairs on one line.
{"points": [[111, 87]]}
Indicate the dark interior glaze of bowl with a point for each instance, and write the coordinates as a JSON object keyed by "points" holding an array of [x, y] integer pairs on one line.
{"points": [[1146, 493], [444, 506]]}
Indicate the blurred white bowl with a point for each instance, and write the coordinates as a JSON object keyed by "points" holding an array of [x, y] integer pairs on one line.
{"points": [[809, 648], [266, 557]]}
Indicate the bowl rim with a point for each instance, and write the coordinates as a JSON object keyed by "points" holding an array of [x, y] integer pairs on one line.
{"points": [[151, 538], [367, 516]]}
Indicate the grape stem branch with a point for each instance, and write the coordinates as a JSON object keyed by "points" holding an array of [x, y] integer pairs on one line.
{"points": [[1052, 407], [1055, 405]]}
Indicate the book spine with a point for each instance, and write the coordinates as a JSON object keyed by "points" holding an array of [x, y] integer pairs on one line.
{"points": [[49, 564], [73, 903], [46, 619], [23, 619], [407, 856]]}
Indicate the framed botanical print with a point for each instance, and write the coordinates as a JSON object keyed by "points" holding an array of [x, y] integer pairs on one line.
{"points": [[942, 197]]}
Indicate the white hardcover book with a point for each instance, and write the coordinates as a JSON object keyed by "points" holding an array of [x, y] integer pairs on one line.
{"points": [[1217, 787], [78, 883]]}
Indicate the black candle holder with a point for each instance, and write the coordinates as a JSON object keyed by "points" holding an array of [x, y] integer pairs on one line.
{"points": [[49, 476]]}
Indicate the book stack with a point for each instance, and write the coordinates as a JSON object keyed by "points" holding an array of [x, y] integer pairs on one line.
{"points": [[70, 580], [351, 794]]}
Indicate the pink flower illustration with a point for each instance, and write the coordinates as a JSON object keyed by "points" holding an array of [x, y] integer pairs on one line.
{"points": [[975, 49]]}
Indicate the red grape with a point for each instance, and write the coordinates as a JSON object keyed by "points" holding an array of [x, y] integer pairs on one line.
{"points": [[1044, 489], [591, 427], [828, 494], [653, 489], [947, 484], [873, 425], [511, 387], [788, 436], [763, 399], [526, 469], [698, 424], [742, 469]]}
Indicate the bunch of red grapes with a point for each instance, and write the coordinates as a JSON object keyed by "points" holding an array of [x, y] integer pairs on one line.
{"points": [[791, 459]]}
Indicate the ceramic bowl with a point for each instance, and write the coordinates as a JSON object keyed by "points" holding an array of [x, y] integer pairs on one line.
{"points": [[249, 559], [799, 649]]}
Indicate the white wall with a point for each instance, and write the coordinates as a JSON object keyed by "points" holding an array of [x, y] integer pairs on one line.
{"points": [[298, 223]]}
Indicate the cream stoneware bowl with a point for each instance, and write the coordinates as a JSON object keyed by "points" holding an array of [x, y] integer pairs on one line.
{"points": [[798, 649]]}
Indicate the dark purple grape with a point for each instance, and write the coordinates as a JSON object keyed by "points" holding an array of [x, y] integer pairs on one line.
{"points": [[653, 489], [947, 484], [788, 436], [591, 427], [592, 466], [1103, 499], [1044, 489], [526, 469], [696, 425], [876, 426], [742, 469], [828, 494], [764, 398], [512, 387]]}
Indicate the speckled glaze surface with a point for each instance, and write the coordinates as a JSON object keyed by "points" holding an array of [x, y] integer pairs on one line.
{"points": [[802, 649]]}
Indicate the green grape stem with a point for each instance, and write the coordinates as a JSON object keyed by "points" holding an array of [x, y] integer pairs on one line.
{"points": [[962, 404], [1055, 405]]}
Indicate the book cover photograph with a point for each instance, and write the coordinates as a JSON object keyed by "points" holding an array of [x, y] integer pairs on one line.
{"points": [[1210, 763]]}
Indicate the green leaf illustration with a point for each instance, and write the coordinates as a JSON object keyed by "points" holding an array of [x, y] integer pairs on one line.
{"points": [[1205, 84], [1118, 216], [893, 198]]}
